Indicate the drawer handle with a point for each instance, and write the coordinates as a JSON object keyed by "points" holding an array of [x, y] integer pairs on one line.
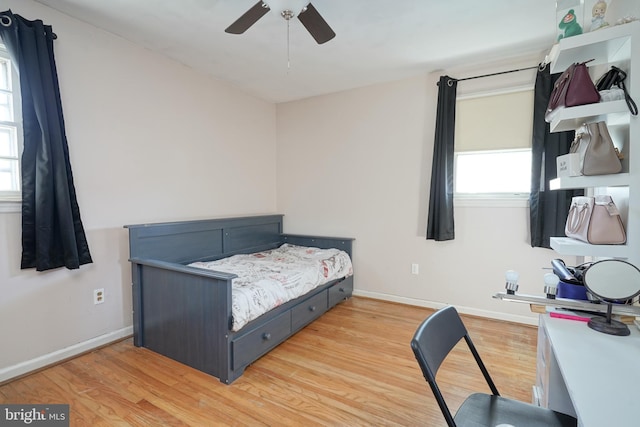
{"points": [[312, 308], [341, 289], [266, 336]]}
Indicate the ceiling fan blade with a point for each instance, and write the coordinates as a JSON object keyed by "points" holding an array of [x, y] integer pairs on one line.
{"points": [[249, 18], [316, 25]]}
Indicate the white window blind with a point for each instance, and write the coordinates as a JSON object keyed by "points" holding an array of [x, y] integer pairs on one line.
{"points": [[496, 122]]}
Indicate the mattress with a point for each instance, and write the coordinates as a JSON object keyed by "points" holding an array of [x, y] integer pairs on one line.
{"points": [[270, 278]]}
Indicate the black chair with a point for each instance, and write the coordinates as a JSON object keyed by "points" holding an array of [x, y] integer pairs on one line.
{"points": [[432, 342]]}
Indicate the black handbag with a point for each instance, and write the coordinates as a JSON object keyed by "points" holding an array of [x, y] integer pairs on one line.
{"points": [[615, 77]]}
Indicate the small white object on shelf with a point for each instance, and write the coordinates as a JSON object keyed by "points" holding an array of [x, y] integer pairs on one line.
{"points": [[511, 277], [551, 285], [568, 165]]}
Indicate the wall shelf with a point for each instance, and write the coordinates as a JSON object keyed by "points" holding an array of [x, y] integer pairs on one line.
{"points": [[607, 45], [616, 45], [576, 182], [572, 118], [569, 246]]}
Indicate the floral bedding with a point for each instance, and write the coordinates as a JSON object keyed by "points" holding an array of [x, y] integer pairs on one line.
{"points": [[270, 278]]}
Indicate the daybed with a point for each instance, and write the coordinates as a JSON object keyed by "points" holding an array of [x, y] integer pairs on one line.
{"points": [[185, 312]]}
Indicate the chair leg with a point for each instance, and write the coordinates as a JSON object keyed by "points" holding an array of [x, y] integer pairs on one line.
{"points": [[441, 403], [484, 370]]}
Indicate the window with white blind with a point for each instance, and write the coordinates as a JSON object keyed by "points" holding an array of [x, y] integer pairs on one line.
{"points": [[10, 130], [493, 146]]}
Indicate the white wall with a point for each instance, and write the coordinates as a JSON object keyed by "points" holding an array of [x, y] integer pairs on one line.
{"points": [[150, 140], [358, 164]]}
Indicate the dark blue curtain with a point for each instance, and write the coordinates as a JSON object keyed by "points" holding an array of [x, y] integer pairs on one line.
{"points": [[548, 209], [52, 231], [440, 224]]}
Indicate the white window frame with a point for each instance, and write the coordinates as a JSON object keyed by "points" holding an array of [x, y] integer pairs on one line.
{"points": [[10, 201]]}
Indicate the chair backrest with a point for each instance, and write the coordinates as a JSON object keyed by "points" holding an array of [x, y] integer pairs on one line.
{"points": [[436, 336]]}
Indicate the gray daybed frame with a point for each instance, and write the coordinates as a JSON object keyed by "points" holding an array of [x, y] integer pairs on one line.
{"points": [[185, 313]]}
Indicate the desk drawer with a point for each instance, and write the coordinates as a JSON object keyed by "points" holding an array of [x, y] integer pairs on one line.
{"points": [[340, 291], [250, 347], [309, 310]]}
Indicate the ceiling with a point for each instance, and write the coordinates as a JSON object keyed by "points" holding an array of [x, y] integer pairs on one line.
{"points": [[376, 40]]}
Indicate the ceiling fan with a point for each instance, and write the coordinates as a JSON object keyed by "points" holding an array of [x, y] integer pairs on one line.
{"points": [[303, 9]]}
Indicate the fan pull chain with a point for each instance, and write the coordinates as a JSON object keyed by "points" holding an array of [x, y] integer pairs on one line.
{"points": [[288, 48]]}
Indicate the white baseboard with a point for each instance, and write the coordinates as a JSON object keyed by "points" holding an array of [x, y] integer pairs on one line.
{"points": [[28, 366], [461, 309]]}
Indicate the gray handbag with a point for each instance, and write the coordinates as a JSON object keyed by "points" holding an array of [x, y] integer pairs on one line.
{"points": [[598, 155]]}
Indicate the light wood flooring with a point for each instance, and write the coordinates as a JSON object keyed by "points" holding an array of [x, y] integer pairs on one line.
{"points": [[351, 367]]}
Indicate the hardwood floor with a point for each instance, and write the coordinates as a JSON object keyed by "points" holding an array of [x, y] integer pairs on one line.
{"points": [[351, 367]]}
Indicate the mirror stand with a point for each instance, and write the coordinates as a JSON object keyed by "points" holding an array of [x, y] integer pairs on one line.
{"points": [[608, 325], [612, 281]]}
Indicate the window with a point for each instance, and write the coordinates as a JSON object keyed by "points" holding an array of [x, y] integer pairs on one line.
{"points": [[493, 146], [10, 130], [495, 172]]}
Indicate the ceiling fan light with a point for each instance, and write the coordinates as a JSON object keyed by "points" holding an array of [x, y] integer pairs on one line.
{"points": [[279, 6]]}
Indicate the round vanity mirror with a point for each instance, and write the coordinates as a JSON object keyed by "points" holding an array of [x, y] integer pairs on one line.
{"points": [[612, 281]]}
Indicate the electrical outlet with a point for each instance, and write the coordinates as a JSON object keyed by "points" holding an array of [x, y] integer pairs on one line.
{"points": [[415, 269], [98, 296]]}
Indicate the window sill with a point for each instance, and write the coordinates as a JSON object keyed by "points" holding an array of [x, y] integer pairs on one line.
{"points": [[491, 202], [10, 206]]}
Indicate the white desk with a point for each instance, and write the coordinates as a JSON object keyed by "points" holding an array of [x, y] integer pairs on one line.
{"points": [[594, 375]]}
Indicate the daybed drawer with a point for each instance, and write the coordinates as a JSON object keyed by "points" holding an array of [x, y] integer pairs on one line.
{"points": [[308, 310], [340, 291], [250, 347]]}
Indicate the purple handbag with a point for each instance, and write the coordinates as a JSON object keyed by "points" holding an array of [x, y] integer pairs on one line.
{"points": [[574, 87]]}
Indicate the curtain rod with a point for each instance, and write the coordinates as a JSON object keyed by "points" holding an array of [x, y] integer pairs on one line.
{"points": [[6, 21], [500, 72], [539, 67]]}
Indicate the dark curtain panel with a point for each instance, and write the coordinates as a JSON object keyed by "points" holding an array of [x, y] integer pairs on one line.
{"points": [[52, 232], [440, 222], [548, 209]]}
